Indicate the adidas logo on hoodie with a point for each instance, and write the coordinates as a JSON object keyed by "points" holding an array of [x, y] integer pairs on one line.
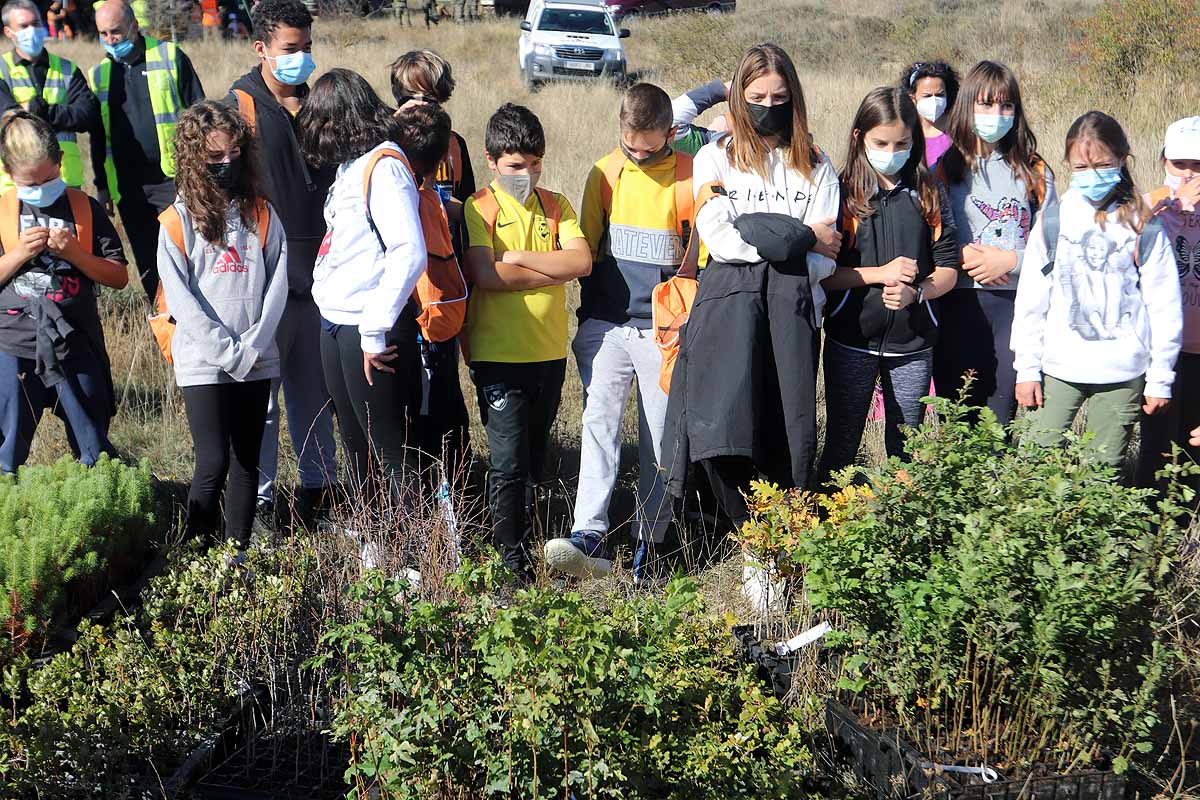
{"points": [[229, 261]]}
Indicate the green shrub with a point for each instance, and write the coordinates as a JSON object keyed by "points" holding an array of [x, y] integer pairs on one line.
{"points": [[998, 599], [550, 696], [121, 709], [65, 522], [1125, 39]]}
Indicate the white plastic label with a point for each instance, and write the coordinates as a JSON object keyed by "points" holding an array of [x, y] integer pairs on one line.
{"points": [[802, 640]]}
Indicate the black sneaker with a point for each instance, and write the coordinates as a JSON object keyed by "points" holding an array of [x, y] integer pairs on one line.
{"points": [[265, 520]]}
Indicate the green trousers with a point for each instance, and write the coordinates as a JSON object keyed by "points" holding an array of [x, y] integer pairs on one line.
{"points": [[1113, 408]]}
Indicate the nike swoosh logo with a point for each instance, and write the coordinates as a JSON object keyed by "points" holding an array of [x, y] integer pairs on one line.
{"points": [[505, 224]]}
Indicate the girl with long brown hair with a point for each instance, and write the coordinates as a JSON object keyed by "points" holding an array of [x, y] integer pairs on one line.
{"points": [[222, 260], [899, 254], [1098, 311], [748, 399], [998, 185]]}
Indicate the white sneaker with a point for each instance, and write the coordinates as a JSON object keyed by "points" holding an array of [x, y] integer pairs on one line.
{"points": [[764, 593], [579, 555]]}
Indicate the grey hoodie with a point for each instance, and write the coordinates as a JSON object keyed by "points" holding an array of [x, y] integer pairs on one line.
{"points": [[992, 207], [226, 301]]}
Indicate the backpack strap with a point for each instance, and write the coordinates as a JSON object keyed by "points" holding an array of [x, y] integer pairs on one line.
{"points": [[10, 221], [171, 222], [614, 165], [81, 213], [850, 224], [1050, 228], [553, 212], [262, 221], [10, 210], [691, 256], [685, 215], [246, 108], [488, 207], [1038, 192], [372, 162]]}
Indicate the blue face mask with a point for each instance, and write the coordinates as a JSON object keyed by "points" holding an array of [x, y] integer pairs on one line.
{"points": [[120, 50], [32, 40], [42, 195], [292, 69], [993, 127], [888, 163], [1096, 184]]}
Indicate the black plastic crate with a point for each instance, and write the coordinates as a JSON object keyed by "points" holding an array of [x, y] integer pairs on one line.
{"points": [[894, 768], [279, 766], [776, 670]]}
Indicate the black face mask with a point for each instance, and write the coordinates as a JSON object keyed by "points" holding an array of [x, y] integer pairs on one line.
{"points": [[646, 161], [772, 120], [225, 174]]}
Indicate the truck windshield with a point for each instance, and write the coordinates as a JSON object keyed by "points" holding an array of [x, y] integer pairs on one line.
{"points": [[565, 20]]}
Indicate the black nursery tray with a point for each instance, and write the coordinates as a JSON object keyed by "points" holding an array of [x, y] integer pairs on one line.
{"points": [[776, 670], [895, 769], [279, 766]]}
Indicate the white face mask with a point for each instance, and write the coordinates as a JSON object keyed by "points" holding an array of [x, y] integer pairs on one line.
{"points": [[932, 107], [1172, 182]]}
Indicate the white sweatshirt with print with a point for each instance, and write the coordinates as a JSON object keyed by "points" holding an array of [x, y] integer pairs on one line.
{"points": [[1097, 317], [785, 192]]}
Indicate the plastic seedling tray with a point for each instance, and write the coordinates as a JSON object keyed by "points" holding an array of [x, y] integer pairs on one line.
{"points": [[893, 768], [279, 766]]}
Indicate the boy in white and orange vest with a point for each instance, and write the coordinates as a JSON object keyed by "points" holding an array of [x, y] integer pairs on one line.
{"points": [[637, 216]]}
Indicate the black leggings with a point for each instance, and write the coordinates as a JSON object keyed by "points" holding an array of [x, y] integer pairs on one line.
{"points": [[373, 419], [227, 421]]}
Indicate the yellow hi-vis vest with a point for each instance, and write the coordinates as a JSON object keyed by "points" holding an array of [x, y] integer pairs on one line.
{"points": [[141, 11], [58, 78], [162, 77]]}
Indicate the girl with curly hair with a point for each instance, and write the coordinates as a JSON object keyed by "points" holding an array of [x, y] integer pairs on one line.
{"points": [[222, 260]]}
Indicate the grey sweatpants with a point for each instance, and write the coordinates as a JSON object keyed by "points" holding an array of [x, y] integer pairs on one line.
{"points": [[610, 358], [849, 383]]}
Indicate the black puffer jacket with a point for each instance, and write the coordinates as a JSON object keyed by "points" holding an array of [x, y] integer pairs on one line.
{"points": [[744, 384], [857, 317]]}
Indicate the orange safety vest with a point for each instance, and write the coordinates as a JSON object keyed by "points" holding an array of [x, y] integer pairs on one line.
{"points": [[210, 15], [10, 219], [441, 291]]}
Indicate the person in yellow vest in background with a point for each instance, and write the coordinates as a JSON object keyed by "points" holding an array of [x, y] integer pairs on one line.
{"points": [[141, 12], [49, 87], [143, 85]]}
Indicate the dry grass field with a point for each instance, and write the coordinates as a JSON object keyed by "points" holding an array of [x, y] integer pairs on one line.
{"points": [[841, 50]]}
